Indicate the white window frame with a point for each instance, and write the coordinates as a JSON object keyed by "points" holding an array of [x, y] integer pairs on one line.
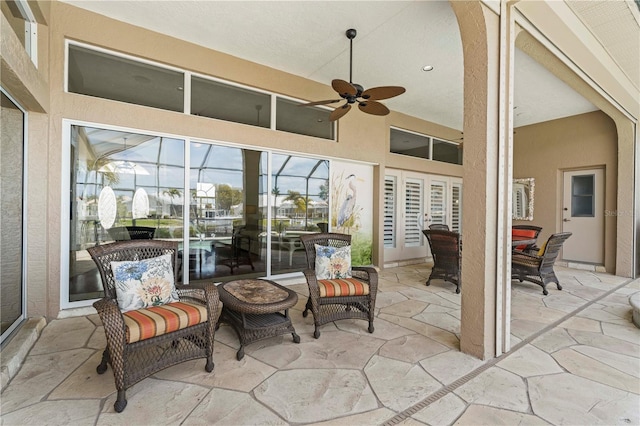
{"points": [[30, 30]]}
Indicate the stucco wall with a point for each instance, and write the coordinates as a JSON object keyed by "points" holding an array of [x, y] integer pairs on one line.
{"points": [[361, 137], [543, 151]]}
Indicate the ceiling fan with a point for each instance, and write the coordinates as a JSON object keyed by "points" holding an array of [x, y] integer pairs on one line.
{"points": [[351, 92]]}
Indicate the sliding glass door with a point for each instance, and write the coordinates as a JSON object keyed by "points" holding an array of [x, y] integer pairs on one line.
{"points": [[235, 212], [12, 161]]}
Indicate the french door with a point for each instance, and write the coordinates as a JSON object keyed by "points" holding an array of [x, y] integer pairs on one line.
{"points": [[412, 202]]}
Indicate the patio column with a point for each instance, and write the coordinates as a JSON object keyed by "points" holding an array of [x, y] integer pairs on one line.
{"points": [[488, 57]]}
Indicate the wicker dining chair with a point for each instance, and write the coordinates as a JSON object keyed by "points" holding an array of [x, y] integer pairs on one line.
{"points": [[439, 226], [531, 231], [141, 342], [332, 299], [445, 249], [538, 268]]}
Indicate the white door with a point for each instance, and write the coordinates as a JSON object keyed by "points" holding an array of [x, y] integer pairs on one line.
{"points": [[404, 207], [583, 215], [412, 202]]}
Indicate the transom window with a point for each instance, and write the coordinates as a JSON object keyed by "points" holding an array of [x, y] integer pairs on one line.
{"points": [[423, 146], [104, 74]]}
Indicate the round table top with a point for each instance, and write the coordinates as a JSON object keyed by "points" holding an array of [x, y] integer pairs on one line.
{"points": [[256, 296]]}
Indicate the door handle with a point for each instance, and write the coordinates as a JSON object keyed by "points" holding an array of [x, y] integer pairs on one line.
{"points": [[566, 220]]}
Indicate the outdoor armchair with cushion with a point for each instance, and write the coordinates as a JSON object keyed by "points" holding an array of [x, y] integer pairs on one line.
{"points": [[538, 268], [150, 322], [530, 231], [445, 249], [343, 295]]}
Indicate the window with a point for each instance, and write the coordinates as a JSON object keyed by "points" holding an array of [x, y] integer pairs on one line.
{"points": [[214, 99], [412, 144], [102, 75], [99, 73], [447, 152], [228, 221], [311, 121], [583, 196], [121, 183], [422, 146]]}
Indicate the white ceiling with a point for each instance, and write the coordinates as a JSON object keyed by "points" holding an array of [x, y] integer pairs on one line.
{"points": [[395, 40]]}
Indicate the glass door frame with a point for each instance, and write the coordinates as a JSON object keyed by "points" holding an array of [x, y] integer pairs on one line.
{"points": [[67, 125], [23, 273]]}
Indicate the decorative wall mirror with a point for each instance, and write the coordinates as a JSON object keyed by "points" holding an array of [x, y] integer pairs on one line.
{"points": [[522, 199]]}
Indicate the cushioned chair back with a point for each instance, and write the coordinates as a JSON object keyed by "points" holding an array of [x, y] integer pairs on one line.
{"points": [[324, 239], [141, 232], [530, 231], [552, 248], [445, 247], [126, 251], [440, 226]]}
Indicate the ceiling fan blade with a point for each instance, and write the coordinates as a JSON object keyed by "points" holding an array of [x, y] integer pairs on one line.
{"points": [[330, 101], [373, 107], [339, 112], [343, 88], [382, 92]]}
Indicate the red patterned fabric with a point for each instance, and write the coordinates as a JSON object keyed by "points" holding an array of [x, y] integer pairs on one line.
{"points": [[150, 322], [343, 287]]}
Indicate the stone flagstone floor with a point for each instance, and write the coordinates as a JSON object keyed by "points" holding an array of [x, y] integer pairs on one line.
{"points": [[576, 360]]}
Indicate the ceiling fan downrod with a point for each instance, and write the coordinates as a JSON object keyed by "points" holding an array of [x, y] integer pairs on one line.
{"points": [[351, 34]]}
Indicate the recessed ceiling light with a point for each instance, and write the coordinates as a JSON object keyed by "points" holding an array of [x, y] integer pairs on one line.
{"points": [[427, 68]]}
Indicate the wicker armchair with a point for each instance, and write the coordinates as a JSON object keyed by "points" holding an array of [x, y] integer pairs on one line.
{"points": [[135, 347], [538, 268], [531, 231], [445, 249], [341, 298]]}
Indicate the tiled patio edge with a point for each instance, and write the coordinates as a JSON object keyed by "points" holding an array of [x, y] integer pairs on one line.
{"points": [[12, 356], [490, 363]]}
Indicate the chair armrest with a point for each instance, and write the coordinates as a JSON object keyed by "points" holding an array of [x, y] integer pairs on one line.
{"points": [[312, 281], [206, 294], [366, 273], [112, 321]]}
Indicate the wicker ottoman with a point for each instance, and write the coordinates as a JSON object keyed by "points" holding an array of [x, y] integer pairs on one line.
{"points": [[257, 309]]}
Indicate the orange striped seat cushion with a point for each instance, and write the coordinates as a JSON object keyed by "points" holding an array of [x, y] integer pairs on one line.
{"points": [[145, 323], [343, 287]]}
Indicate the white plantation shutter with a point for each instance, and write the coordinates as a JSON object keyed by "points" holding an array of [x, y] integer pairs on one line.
{"points": [[438, 207], [413, 211], [390, 202], [456, 207], [518, 202]]}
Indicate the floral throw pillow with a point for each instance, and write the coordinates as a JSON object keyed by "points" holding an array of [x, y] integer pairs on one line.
{"points": [[144, 283], [333, 262]]}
